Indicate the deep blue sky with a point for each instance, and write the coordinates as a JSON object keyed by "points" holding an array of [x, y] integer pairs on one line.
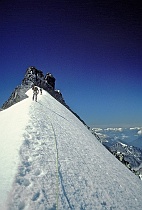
{"points": [[93, 48]]}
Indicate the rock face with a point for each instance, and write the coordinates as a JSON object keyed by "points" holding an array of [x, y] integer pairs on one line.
{"points": [[36, 77]]}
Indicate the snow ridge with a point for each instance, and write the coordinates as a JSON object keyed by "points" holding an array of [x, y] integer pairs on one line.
{"points": [[63, 166]]}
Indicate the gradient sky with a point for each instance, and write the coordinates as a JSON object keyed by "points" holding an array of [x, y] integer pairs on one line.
{"points": [[93, 49]]}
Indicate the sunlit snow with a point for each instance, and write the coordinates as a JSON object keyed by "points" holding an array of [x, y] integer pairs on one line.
{"points": [[49, 160]]}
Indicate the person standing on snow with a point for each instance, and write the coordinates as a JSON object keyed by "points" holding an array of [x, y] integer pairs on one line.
{"points": [[35, 93], [40, 91]]}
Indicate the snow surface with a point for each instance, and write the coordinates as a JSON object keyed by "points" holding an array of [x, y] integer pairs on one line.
{"points": [[49, 160]]}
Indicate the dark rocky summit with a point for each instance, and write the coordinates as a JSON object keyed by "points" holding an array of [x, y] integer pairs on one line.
{"points": [[36, 77]]}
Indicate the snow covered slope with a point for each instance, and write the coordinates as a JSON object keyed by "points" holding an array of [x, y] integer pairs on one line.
{"points": [[49, 160]]}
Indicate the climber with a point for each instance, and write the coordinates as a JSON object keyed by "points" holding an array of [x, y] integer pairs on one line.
{"points": [[32, 86], [35, 93], [40, 91]]}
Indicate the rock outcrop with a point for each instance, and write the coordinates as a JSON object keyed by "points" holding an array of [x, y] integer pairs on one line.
{"points": [[36, 77]]}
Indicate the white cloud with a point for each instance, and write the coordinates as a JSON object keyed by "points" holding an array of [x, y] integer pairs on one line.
{"points": [[114, 129], [135, 128]]}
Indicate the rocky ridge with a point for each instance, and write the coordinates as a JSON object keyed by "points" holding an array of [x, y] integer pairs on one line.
{"points": [[36, 77]]}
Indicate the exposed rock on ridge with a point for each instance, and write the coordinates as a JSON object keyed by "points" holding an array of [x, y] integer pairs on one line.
{"points": [[36, 77]]}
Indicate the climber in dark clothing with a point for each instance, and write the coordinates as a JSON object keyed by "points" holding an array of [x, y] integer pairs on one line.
{"points": [[40, 91], [35, 93]]}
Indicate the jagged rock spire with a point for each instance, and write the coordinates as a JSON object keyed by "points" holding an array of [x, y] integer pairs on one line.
{"points": [[36, 77], [32, 75]]}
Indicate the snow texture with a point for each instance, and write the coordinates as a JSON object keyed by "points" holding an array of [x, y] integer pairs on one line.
{"points": [[49, 160]]}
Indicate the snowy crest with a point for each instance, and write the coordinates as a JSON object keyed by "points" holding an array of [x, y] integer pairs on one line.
{"points": [[50, 160]]}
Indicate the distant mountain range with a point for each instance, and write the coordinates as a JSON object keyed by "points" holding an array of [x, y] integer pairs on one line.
{"points": [[130, 136], [130, 153]]}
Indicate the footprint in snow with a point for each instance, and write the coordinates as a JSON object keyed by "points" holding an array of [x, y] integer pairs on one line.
{"points": [[37, 172], [35, 196]]}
